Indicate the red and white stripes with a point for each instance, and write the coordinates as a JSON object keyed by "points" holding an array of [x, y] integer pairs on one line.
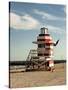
{"points": [[45, 46]]}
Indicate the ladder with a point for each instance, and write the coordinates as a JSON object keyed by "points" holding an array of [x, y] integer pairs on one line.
{"points": [[32, 53]]}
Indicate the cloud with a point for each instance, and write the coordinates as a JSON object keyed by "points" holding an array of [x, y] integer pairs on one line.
{"points": [[46, 15], [27, 22], [55, 29], [22, 22]]}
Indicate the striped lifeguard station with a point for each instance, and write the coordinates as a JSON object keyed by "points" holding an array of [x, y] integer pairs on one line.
{"points": [[45, 47]]}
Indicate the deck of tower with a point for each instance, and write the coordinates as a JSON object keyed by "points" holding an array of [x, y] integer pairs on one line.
{"points": [[35, 62]]}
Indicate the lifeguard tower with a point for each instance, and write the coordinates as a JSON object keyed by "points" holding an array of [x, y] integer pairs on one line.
{"points": [[42, 57]]}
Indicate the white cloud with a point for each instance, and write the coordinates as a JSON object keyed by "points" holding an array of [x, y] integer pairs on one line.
{"points": [[22, 22], [55, 29], [46, 15], [27, 22]]}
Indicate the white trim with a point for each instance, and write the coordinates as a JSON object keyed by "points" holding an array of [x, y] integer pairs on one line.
{"points": [[51, 46], [44, 37], [47, 59], [51, 64]]}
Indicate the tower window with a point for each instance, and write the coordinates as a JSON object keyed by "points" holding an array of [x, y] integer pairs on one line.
{"points": [[41, 45]]}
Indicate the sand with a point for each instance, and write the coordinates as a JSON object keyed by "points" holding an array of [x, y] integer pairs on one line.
{"points": [[39, 78]]}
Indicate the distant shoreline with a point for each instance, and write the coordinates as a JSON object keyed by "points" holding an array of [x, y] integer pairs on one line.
{"points": [[26, 62]]}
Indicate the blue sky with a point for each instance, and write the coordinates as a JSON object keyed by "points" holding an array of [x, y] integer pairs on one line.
{"points": [[26, 19]]}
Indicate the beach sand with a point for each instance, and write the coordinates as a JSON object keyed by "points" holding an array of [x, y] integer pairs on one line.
{"points": [[21, 79]]}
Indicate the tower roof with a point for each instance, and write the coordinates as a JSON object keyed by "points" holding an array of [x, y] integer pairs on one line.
{"points": [[44, 30]]}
